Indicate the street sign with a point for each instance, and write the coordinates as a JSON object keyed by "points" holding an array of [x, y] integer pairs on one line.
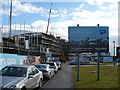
{"points": [[88, 38]]}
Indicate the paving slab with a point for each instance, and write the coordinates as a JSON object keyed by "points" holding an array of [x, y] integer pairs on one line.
{"points": [[63, 78]]}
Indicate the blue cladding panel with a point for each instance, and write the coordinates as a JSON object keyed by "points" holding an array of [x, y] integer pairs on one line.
{"points": [[7, 59]]}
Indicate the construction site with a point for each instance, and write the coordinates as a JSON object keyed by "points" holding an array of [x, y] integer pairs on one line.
{"points": [[35, 46], [39, 46]]}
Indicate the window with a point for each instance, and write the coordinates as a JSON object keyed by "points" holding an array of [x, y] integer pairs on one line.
{"points": [[14, 71], [30, 71], [35, 71]]}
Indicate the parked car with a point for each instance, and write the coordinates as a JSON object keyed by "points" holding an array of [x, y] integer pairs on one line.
{"points": [[52, 65], [73, 62], [20, 77], [47, 71], [118, 62], [81, 62], [59, 64]]}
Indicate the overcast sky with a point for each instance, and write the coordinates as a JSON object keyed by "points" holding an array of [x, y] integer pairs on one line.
{"points": [[63, 14]]}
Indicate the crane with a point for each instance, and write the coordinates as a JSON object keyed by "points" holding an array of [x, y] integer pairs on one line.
{"points": [[48, 19], [10, 17]]}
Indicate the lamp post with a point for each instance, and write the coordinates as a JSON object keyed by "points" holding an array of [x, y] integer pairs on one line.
{"points": [[114, 52]]}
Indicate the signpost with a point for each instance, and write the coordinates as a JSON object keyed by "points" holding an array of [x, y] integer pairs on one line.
{"points": [[98, 67], [88, 39], [78, 68]]}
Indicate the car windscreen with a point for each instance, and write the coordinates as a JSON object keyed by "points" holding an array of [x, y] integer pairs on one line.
{"points": [[51, 64], [41, 66], [14, 71]]}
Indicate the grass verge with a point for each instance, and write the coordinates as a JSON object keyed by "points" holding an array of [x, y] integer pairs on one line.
{"points": [[88, 77]]}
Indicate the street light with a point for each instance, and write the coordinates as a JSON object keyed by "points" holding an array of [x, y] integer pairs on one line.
{"points": [[114, 52]]}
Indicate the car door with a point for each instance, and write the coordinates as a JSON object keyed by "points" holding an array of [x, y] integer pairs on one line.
{"points": [[36, 77], [30, 82], [51, 70]]}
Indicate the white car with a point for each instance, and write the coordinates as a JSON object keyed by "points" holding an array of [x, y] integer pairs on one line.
{"points": [[118, 62], [47, 71], [20, 77], [53, 65], [59, 64]]}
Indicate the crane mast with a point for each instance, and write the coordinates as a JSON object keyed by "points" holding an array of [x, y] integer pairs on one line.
{"points": [[10, 17], [48, 19]]}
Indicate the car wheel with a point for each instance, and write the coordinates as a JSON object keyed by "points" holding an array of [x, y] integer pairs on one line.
{"points": [[49, 76], [40, 83], [23, 88]]}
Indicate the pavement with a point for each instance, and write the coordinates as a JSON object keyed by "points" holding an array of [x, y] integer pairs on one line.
{"points": [[63, 78]]}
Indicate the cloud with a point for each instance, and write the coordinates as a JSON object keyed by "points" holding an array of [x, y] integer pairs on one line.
{"points": [[61, 28], [54, 13], [105, 15], [21, 8], [4, 2], [80, 7], [58, 28], [1, 12], [27, 8], [41, 25], [100, 2]]}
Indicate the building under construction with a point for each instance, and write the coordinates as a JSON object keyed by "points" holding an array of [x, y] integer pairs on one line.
{"points": [[36, 44]]}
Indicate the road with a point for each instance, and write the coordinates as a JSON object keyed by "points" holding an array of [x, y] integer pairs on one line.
{"points": [[63, 79]]}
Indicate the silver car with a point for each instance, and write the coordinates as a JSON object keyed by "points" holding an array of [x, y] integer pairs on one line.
{"points": [[53, 65], [20, 77], [47, 71]]}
